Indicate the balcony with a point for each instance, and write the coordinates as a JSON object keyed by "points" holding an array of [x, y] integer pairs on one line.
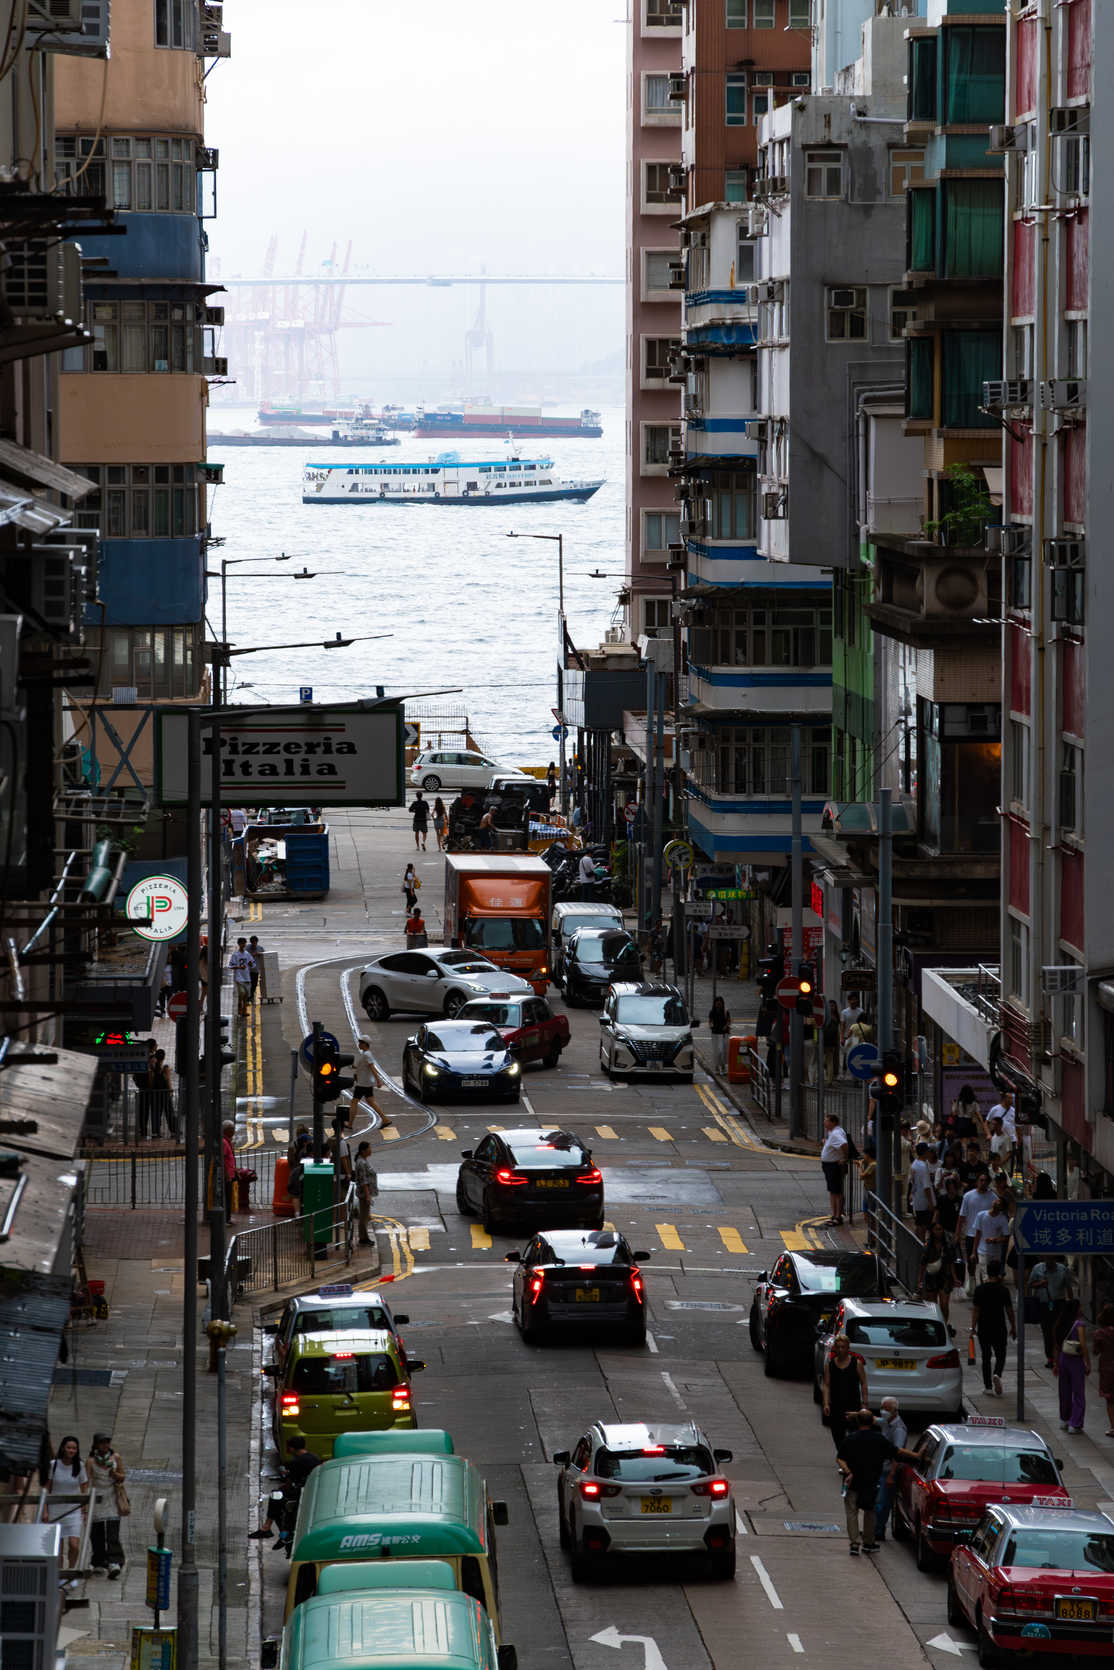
{"points": [[964, 1003], [927, 595], [720, 321], [780, 691]]}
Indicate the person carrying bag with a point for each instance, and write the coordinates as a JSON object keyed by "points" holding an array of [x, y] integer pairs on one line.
{"points": [[105, 1472]]}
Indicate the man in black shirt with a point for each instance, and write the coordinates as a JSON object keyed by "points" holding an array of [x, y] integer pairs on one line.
{"points": [[300, 1463], [862, 1457], [992, 1311]]}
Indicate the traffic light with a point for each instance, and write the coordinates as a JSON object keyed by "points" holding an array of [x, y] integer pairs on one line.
{"points": [[771, 969], [327, 1064], [225, 1055], [806, 976], [891, 1085]]}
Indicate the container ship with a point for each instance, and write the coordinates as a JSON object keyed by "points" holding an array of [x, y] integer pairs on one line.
{"points": [[527, 421], [447, 479], [312, 413]]}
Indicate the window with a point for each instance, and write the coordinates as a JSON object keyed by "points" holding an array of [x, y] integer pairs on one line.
{"points": [[754, 760], [824, 174], [970, 358], [746, 258], [764, 14], [664, 14], [150, 174], [157, 662], [760, 106], [920, 254], [657, 617], [906, 169], [656, 187], [846, 309], [142, 336], [1071, 1004], [1071, 790], [660, 530], [800, 78], [657, 351], [735, 185], [174, 23], [141, 501], [1019, 581], [655, 267], [736, 105], [732, 499], [736, 14], [902, 313], [1017, 962], [974, 74], [1071, 164], [1068, 596], [656, 100], [1021, 344], [657, 440], [1076, 347], [922, 78], [781, 636], [1019, 763], [973, 212], [800, 14]]}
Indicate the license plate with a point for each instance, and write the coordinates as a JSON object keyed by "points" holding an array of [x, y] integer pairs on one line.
{"points": [[552, 1183], [1077, 1611], [474, 1084], [657, 1504], [894, 1362], [588, 1295]]}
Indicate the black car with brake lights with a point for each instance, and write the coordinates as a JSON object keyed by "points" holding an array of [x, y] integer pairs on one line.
{"points": [[594, 959], [530, 1176], [460, 1058], [802, 1291], [568, 1279]]}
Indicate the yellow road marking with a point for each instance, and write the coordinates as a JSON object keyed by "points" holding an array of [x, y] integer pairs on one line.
{"points": [[497, 1128], [733, 1241], [607, 1224], [660, 1134], [445, 1133], [795, 1241], [389, 1133], [419, 1238], [669, 1238], [402, 1260], [481, 1240], [712, 1134], [607, 1133]]}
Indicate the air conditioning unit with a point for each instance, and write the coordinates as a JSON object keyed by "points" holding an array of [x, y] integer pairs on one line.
{"points": [[685, 240], [757, 220], [56, 588], [614, 635], [676, 179], [949, 589], [213, 41], [1005, 138], [771, 290], [30, 1573], [676, 552], [1070, 118], [677, 277], [777, 185], [51, 17], [1057, 978], [678, 87], [125, 695], [1064, 394], [1013, 391], [84, 545], [214, 317], [208, 157], [79, 27], [775, 506], [1065, 553], [984, 719], [762, 78], [757, 429], [842, 298], [678, 368], [1008, 539], [217, 366]]}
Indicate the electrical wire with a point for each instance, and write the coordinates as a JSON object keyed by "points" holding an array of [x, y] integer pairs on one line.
{"points": [[10, 53], [98, 135], [4, 895]]}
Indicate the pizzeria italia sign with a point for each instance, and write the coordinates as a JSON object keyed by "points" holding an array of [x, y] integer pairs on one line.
{"points": [[341, 755]]}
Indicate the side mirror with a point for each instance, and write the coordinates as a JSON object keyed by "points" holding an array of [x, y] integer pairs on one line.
{"points": [[499, 1515], [694, 1023], [603, 1020], [506, 1657], [561, 1458], [466, 1153], [414, 1365], [512, 1258], [271, 1369], [400, 1318], [763, 1275], [269, 1653], [723, 1455], [270, 1327], [1059, 1460], [642, 1258]]}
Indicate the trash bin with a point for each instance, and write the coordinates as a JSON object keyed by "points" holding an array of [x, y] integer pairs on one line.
{"points": [[283, 1205], [738, 1060], [241, 1196]]}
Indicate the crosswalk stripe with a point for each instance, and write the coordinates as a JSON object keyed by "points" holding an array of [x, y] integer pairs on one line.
{"points": [[497, 1128], [669, 1238], [795, 1241], [389, 1133], [660, 1134], [731, 1239], [607, 1133], [445, 1133], [481, 1240], [712, 1134]]}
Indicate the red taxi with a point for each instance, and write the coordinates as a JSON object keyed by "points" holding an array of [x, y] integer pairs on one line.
{"points": [[1036, 1579], [960, 1471], [527, 1025]]}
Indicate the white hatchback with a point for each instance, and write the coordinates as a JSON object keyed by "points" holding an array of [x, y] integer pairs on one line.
{"points": [[906, 1350], [456, 768]]}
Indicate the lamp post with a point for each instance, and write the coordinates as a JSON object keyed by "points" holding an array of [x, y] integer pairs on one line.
{"points": [[558, 540], [210, 574]]}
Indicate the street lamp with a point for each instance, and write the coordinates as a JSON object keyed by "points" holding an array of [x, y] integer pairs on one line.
{"points": [[558, 540]]}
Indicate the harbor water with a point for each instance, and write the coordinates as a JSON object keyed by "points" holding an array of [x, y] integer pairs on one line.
{"points": [[464, 606]]}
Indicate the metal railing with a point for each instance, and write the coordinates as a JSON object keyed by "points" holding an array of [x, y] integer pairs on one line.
{"points": [[135, 1177], [898, 1249], [288, 1251], [844, 1100]]}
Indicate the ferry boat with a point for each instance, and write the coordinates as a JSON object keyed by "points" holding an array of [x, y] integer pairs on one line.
{"points": [[446, 479], [474, 420]]}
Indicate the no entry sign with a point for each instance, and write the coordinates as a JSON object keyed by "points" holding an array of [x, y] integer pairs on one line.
{"points": [[177, 1005]]}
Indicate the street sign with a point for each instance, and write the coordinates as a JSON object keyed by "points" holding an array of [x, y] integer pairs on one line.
{"points": [[305, 692], [729, 930], [157, 907], [177, 1005], [698, 907], [411, 735], [1064, 1226], [863, 1062], [158, 1579], [729, 894], [339, 754], [307, 1047], [630, 810], [557, 732], [788, 991]]}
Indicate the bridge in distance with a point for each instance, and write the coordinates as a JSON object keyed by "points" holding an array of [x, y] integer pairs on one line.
{"points": [[442, 281]]}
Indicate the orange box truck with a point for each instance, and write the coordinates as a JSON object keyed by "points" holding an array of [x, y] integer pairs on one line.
{"points": [[498, 904]]}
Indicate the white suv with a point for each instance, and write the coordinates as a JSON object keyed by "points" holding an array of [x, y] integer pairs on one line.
{"points": [[646, 1028], [642, 1489], [456, 768]]}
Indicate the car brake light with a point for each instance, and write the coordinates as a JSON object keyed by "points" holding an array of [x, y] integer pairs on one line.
{"points": [[400, 1397], [593, 1176], [536, 1284], [591, 1491], [946, 1359], [291, 1403], [711, 1487], [1023, 1600], [338, 1356], [636, 1285], [654, 1449], [508, 1177]]}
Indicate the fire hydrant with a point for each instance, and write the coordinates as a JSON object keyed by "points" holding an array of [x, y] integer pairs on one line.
{"points": [[219, 1335]]}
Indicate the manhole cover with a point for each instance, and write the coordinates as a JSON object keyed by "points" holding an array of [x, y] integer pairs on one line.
{"points": [[810, 1525]]}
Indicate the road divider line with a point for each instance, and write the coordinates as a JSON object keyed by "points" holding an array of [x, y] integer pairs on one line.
{"points": [[712, 1134], [741, 1525], [669, 1238], [444, 1133], [481, 1240], [733, 1241], [670, 1386], [767, 1583], [651, 1343], [529, 1106], [606, 1133], [660, 1134], [795, 1642]]}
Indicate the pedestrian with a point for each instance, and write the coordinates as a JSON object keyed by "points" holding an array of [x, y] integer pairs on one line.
{"points": [[415, 929], [105, 1473], [551, 781], [992, 1234], [976, 1200], [228, 1162], [831, 1036], [850, 1015], [991, 1315], [863, 1456], [891, 1426], [67, 1477], [922, 1195], [162, 1097], [947, 1209], [300, 1463], [440, 822], [868, 1170], [938, 1268], [142, 1083], [241, 964], [419, 821], [1103, 1343], [166, 987], [586, 870], [410, 886], [999, 1145], [368, 1081], [719, 1025], [965, 1110], [367, 1187], [237, 820], [844, 1387], [1073, 1365], [255, 951], [833, 1163], [1006, 1113], [1050, 1285]]}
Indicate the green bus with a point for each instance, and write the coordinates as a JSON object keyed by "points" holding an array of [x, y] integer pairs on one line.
{"points": [[413, 1617], [369, 1509]]}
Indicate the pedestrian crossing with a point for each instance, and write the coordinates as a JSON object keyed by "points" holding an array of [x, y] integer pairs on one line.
{"points": [[727, 1129], [669, 1238]]}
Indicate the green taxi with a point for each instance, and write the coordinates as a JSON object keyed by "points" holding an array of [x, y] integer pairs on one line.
{"points": [[333, 1383]]}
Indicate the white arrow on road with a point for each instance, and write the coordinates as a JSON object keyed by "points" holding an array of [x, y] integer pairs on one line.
{"points": [[610, 1637], [945, 1644]]}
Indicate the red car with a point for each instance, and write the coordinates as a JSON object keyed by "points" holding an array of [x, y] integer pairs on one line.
{"points": [[527, 1025], [960, 1472], [1036, 1579]]}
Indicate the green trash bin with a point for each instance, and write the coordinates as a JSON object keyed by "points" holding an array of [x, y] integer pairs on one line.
{"points": [[317, 1202]]}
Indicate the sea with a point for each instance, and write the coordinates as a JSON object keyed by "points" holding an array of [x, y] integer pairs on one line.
{"points": [[459, 617]]}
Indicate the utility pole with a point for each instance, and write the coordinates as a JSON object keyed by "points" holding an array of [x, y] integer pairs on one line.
{"points": [[188, 1582], [886, 1141], [796, 1025], [645, 891], [214, 1152], [659, 795], [318, 1104]]}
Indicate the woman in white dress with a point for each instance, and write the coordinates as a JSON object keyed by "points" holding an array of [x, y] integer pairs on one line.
{"points": [[67, 1478]]}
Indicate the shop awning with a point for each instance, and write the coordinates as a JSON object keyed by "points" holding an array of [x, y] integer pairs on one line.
{"points": [[34, 469], [33, 1313], [22, 509]]}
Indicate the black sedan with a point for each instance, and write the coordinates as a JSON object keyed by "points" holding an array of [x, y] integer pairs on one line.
{"points": [[530, 1176], [567, 1279], [594, 959], [460, 1058], [801, 1292]]}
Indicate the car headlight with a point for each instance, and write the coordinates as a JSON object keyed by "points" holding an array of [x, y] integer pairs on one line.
{"points": [[513, 1067], [431, 1070]]}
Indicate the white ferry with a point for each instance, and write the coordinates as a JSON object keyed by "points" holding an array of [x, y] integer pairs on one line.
{"points": [[446, 479]]}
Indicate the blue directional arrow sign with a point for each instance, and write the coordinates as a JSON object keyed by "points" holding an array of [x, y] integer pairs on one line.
{"points": [[307, 1047], [863, 1061]]}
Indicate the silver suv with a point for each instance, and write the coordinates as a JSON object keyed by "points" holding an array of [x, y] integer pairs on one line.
{"points": [[643, 1489], [646, 1028]]}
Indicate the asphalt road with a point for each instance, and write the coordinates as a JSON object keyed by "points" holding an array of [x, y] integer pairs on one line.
{"points": [[686, 1178]]}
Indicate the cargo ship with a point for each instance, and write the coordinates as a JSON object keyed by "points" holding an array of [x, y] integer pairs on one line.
{"points": [[447, 479], [291, 411], [471, 422]]}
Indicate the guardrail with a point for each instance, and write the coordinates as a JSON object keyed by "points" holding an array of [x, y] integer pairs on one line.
{"points": [[844, 1100], [131, 1178], [898, 1249], [282, 1253]]}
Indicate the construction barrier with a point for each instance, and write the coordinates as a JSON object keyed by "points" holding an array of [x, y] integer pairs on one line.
{"points": [[738, 1060], [282, 1204]]}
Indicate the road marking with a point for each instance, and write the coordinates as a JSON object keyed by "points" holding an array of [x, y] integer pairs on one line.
{"points": [[389, 1133], [481, 1240], [419, 1238], [795, 1642], [660, 1134], [528, 1105], [670, 1240], [667, 1380], [402, 1259], [607, 1133], [733, 1241], [497, 1128], [608, 1225], [445, 1133], [795, 1241], [764, 1578], [741, 1524], [712, 1134], [651, 1343], [651, 1652]]}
